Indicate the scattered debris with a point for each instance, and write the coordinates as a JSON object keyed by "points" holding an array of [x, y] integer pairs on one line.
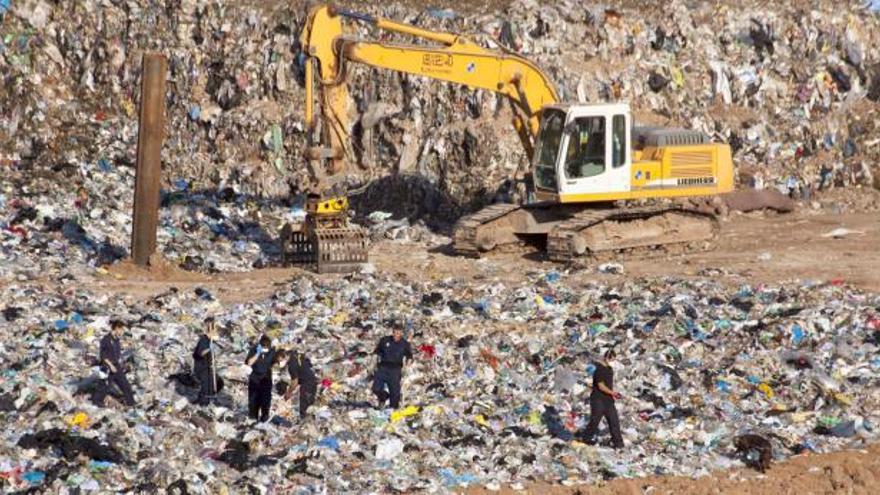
{"points": [[840, 233], [500, 369]]}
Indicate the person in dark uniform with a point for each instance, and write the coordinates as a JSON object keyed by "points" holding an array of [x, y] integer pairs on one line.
{"points": [[302, 374], [602, 402], [392, 350], [204, 365], [110, 355], [260, 358]]}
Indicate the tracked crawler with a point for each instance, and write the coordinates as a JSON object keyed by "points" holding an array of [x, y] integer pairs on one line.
{"points": [[569, 233], [584, 157]]}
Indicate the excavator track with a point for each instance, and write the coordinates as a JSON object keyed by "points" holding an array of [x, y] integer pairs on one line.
{"points": [[472, 230], [594, 232]]}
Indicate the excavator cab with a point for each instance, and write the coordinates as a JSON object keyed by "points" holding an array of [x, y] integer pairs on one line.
{"points": [[583, 152], [589, 153]]}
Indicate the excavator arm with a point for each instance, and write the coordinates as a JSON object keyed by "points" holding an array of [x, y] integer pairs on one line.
{"points": [[454, 59]]}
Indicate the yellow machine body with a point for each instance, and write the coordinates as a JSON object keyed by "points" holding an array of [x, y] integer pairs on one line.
{"points": [[582, 154], [333, 206]]}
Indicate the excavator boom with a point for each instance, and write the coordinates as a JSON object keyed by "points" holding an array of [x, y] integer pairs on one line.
{"points": [[326, 240], [453, 58]]}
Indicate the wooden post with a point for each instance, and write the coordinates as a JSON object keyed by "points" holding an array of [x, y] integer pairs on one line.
{"points": [[149, 158]]}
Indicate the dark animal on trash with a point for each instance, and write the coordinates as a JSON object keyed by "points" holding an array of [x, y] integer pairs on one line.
{"points": [[184, 378], [238, 455], [756, 451], [70, 446]]}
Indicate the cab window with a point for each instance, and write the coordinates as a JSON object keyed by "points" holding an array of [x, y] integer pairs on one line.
{"points": [[618, 141], [585, 156], [547, 149]]}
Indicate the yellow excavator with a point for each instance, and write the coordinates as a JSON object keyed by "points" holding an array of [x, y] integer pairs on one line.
{"points": [[587, 160]]}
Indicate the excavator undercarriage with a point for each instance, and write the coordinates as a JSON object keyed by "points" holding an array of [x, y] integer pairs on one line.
{"points": [[570, 232]]}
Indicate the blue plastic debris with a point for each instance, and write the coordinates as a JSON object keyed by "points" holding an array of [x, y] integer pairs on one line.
{"points": [[450, 479], [550, 418], [329, 442], [34, 477], [76, 318], [694, 331], [61, 325], [808, 445], [104, 165], [4, 6], [744, 292], [722, 386], [797, 334], [480, 306], [100, 465], [194, 112], [145, 429], [444, 14]]}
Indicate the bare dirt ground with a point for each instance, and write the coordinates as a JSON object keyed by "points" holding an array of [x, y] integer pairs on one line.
{"points": [[752, 248], [849, 471]]}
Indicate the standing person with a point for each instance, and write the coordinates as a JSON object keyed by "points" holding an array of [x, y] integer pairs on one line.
{"points": [[302, 375], [81, 205], [110, 355], [602, 401], [391, 349], [260, 358], [204, 365]]}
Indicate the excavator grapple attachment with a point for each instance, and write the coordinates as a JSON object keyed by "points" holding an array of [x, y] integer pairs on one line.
{"points": [[326, 242]]}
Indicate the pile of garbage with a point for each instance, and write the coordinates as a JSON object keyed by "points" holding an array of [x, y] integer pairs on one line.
{"points": [[497, 393], [48, 228], [793, 89]]}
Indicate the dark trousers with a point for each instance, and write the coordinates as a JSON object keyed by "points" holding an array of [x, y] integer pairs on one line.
{"points": [[603, 407], [121, 382], [206, 385], [259, 399], [307, 395], [387, 376]]}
